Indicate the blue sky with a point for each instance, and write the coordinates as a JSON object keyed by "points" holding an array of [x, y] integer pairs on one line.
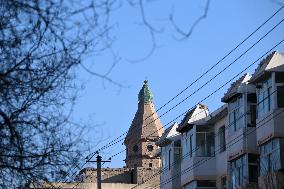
{"points": [[173, 66]]}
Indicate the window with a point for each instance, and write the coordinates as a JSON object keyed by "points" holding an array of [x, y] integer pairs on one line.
{"points": [[166, 156], [270, 157], [224, 183], [190, 145], [253, 167], [177, 152], [205, 144], [150, 147], [206, 183], [191, 185], [251, 115], [135, 148], [237, 172], [201, 184], [169, 159], [187, 146], [150, 165], [222, 140], [264, 99], [280, 96], [279, 77], [236, 118]]}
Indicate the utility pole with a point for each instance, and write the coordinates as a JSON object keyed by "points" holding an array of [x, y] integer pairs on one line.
{"points": [[99, 170]]}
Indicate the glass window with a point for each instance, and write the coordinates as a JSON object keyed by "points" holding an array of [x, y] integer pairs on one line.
{"points": [[187, 146], [205, 144], [169, 161], [177, 152], [150, 147], [166, 156], [184, 145], [251, 118], [224, 183], [135, 148], [237, 172], [264, 99], [190, 145], [206, 183], [279, 77], [191, 185], [200, 144], [270, 157], [280, 96], [236, 118], [163, 157], [253, 167], [222, 139]]}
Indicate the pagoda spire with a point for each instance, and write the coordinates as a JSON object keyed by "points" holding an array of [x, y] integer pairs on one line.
{"points": [[145, 95], [146, 128]]}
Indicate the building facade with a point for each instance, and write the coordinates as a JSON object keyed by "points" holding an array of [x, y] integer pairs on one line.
{"points": [[241, 144]]}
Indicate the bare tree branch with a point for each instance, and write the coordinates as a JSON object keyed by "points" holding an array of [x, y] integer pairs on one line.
{"points": [[186, 34]]}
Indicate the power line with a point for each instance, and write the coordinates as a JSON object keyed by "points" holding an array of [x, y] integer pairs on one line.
{"points": [[104, 147], [215, 76], [235, 75], [198, 163], [261, 57], [223, 84], [205, 160], [207, 84], [192, 151], [209, 81], [206, 72]]}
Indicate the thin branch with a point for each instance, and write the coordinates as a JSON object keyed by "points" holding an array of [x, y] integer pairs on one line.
{"points": [[186, 34]]}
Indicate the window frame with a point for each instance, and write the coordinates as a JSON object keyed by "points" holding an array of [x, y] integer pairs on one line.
{"points": [[264, 97], [222, 138], [235, 111], [205, 145], [268, 152], [238, 171]]}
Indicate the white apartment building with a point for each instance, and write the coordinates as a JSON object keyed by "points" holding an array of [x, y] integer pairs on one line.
{"points": [[240, 145]]}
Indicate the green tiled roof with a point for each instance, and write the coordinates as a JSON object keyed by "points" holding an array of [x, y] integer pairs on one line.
{"points": [[145, 94]]}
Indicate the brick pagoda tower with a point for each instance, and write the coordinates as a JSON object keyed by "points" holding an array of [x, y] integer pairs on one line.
{"points": [[145, 130]]}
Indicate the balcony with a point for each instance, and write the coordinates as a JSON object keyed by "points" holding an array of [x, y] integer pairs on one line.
{"points": [[270, 126], [197, 168], [241, 141]]}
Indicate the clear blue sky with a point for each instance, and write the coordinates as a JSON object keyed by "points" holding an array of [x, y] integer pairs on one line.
{"points": [[173, 66]]}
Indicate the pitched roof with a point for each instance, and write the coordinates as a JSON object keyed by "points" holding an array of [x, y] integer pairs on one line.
{"points": [[200, 111], [233, 89], [212, 118], [274, 62], [169, 135]]}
